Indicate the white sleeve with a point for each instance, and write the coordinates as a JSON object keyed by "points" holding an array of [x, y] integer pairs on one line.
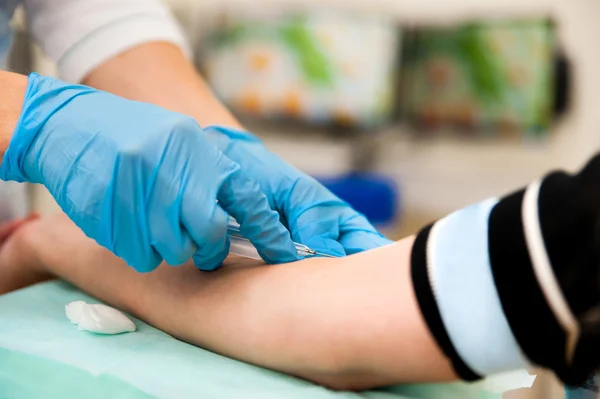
{"points": [[79, 35]]}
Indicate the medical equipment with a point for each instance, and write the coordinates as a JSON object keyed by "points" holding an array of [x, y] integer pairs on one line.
{"points": [[242, 246], [98, 318]]}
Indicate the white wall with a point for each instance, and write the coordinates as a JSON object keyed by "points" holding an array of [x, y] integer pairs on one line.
{"points": [[441, 175], [438, 176]]}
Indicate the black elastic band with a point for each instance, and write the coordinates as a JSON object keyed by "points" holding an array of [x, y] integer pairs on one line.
{"points": [[428, 305], [567, 206], [530, 318]]}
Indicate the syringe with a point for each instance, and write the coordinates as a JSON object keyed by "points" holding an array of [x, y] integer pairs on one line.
{"points": [[242, 246]]}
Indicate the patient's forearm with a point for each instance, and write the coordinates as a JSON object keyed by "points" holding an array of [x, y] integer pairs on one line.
{"points": [[348, 323]]}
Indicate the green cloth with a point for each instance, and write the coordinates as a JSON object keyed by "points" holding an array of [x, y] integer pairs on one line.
{"points": [[43, 355]]}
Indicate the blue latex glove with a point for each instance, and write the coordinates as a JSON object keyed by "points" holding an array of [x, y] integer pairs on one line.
{"points": [[314, 215], [140, 180]]}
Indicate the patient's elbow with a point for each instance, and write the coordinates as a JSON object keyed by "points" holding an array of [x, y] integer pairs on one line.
{"points": [[337, 368], [336, 383], [344, 380], [320, 354]]}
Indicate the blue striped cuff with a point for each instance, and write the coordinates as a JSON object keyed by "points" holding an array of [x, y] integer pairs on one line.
{"points": [[462, 282]]}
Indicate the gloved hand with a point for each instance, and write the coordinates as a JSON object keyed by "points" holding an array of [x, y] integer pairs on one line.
{"points": [[140, 180], [314, 215]]}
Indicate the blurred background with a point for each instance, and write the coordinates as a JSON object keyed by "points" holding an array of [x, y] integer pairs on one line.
{"points": [[407, 109]]}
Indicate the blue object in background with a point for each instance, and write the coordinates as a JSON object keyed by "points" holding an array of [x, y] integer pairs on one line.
{"points": [[374, 195]]}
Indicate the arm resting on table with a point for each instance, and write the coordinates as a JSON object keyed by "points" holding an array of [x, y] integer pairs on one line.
{"points": [[348, 323]]}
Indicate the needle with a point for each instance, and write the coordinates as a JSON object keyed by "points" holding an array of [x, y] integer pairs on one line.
{"points": [[306, 251], [243, 247]]}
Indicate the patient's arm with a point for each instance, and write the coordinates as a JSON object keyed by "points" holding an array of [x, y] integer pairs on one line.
{"points": [[503, 284], [348, 323]]}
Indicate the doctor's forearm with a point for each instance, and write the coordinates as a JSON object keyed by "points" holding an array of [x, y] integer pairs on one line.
{"points": [[13, 91], [159, 73]]}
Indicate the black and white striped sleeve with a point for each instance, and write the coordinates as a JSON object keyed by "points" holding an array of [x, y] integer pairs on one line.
{"points": [[514, 282]]}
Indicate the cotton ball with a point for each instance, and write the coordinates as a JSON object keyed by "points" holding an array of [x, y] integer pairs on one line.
{"points": [[98, 318]]}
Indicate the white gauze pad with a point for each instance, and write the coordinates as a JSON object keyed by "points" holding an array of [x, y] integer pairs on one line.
{"points": [[98, 318]]}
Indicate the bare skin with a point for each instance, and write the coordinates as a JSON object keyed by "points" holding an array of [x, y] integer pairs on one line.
{"points": [[13, 91], [348, 323], [160, 74]]}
